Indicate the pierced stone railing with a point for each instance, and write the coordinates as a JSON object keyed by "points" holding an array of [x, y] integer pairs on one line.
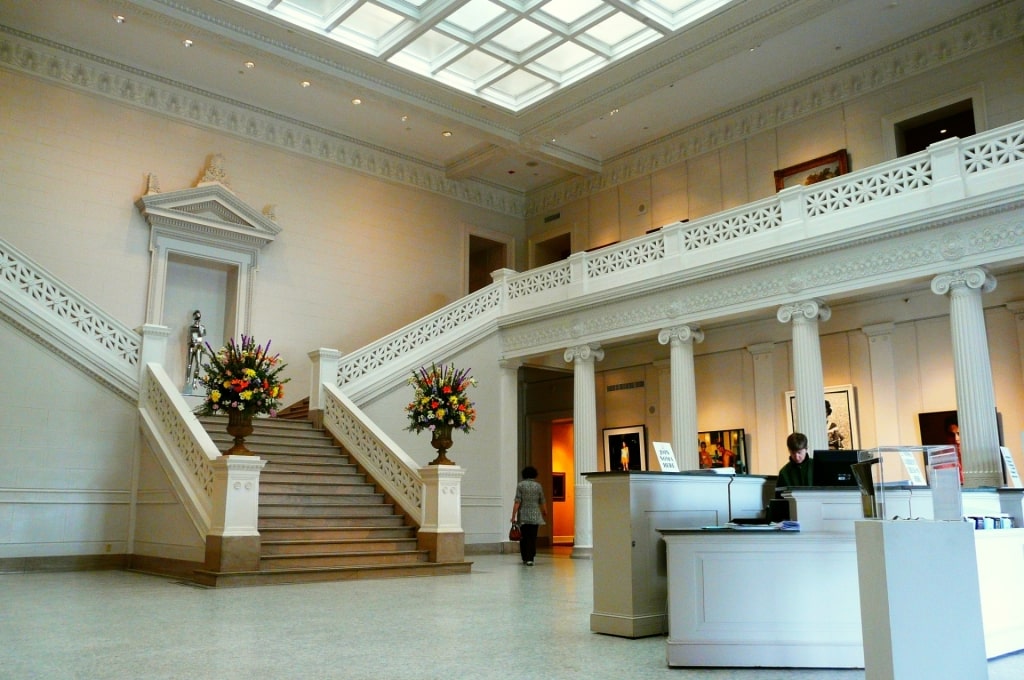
{"points": [[943, 174], [390, 467], [49, 311], [182, 446]]}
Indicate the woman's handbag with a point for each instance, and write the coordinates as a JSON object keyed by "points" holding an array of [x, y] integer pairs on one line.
{"points": [[514, 534]]}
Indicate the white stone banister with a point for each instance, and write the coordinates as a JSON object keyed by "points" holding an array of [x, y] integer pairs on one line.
{"points": [[394, 352], [183, 448], [52, 313], [376, 452], [840, 208]]}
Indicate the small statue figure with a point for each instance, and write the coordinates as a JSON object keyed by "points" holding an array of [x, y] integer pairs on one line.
{"points": [[196, 338]]}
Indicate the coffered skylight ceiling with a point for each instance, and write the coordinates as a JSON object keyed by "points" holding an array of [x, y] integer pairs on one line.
{"points": [[512, 53]]}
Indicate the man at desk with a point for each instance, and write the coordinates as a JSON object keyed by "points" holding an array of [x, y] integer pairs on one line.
{"points": [[799, 471]]}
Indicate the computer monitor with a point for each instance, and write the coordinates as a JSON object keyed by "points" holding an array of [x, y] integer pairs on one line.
{"points": [[832, 467]]}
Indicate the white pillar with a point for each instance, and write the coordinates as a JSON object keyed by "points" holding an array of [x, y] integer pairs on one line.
{"points": [[807, 376], [1017, 309], [584, 413], [509, 441], [441, 532], [154, 345], [883, 382], [684, 393], [233, 542], [323, 369], [764, 458], [972, 371]]}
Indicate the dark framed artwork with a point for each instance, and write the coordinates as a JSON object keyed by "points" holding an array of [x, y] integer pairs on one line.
{"points": [[625, 448], [813, 171], [943, 427], [722, 449], [558, 486], [840, 416]]}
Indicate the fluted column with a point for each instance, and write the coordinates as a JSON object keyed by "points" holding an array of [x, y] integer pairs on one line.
{"points": [[683, 392], [807, 377], [1017, 309], [972, 371], [764, 458], [584, 414], [883, 382]]}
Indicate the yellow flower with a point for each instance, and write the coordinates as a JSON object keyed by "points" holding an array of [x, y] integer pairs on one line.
{"points": [[441, 412], [215, 395], [249, 373], [246, 394]]}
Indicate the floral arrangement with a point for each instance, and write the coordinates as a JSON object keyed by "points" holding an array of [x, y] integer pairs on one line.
{"points": [[441, 399], [242, 377]]}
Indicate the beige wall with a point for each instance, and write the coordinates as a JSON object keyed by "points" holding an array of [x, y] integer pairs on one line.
{"points": [[74, 165]]}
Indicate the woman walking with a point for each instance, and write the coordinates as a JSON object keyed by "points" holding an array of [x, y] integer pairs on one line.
{"points": [[529, 510]]}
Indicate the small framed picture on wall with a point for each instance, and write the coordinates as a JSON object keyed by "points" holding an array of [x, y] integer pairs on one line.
{"points": [[625, 448]]}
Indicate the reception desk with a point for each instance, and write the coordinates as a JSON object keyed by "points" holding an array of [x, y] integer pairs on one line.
{"points": [[793, 599], [630, 584]]}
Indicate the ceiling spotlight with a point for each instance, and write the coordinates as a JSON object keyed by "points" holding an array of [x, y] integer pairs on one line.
{"points": [[187, 43], [250, 64], [446, 133], [405, 119], [613, 112], [119, 18], [306, 83], [357, 101]]}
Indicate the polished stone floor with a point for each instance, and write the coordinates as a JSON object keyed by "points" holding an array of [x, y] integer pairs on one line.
{"points": [[504, 620]]}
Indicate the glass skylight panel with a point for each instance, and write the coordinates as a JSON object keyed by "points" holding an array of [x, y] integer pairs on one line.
{"points": [[476, 67], [521, 36], [510, 52], [566, 60], [474, 15], [571, 11], [372, 22]]}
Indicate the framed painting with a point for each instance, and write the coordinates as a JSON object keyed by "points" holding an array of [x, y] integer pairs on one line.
{"points": [[557, 486], [840, 416], [625, 448], [813, 171], [722, 449]]}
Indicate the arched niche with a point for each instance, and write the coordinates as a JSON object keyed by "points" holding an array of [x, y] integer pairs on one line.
{"points": [[205, 245]]}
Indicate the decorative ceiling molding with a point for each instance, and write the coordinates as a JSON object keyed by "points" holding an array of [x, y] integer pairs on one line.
{"points": [[968, 35], [124, 84]]}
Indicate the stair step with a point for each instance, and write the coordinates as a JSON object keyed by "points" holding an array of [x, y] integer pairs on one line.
{"points": [[364, 497], [335, 533], [275, 476], [323, 574], [328, 546], [311, 468], [302, 489], [338, 510], [385, 518], [352, 559]]}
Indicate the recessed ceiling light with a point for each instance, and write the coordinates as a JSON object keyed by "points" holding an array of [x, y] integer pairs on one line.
{"points": [[357, 101], [250, 64], [119, 18], [446, 133], [187, 43], [306, 83], [405, 119]]}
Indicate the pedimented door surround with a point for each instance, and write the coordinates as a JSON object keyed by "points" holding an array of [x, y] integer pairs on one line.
{"points": [[206, 223]]}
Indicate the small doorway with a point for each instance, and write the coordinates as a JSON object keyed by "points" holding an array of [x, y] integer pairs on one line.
{"points": [[485, 256]]}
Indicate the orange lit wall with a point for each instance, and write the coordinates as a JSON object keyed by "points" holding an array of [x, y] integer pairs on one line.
{"points": [[563, 512]]}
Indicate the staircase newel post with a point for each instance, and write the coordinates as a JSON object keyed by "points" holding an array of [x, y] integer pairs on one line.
{"points": [[233, 543], [324, 369], [154, 345], [441, 531]]}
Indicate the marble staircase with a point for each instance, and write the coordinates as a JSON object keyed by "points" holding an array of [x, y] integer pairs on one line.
{"points": [[320, 517]]}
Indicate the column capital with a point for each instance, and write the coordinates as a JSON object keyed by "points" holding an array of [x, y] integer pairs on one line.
{"points": [[974, 278], [811, 310], [684, 333], [510, 364], [591, 352]]}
